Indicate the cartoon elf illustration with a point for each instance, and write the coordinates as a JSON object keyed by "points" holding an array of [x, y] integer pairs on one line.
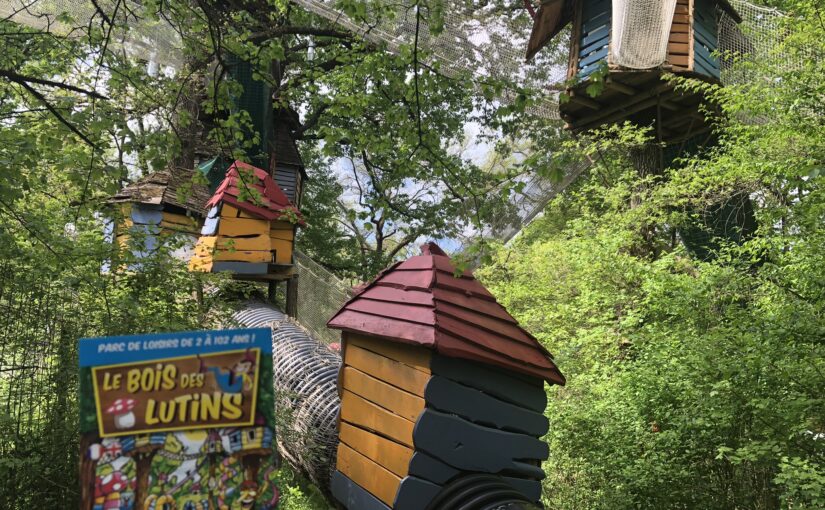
{"points": [[235, 379]]}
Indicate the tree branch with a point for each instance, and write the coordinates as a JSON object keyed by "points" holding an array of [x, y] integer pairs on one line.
{"points": [[40, 97], [23, 80]]}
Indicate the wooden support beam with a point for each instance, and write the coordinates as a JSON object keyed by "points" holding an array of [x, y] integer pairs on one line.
{"points": [[292, 296], [620, 113], [633, 105], [621, 87], [584, 101]]}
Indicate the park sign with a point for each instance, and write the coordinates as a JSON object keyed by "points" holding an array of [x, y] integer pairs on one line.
{"points": [[184, 418]]}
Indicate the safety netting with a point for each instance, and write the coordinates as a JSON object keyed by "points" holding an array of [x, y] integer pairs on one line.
{"points": [[482, 40], [640, 31]]}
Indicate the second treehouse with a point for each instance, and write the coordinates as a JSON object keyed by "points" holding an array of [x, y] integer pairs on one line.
{"points": [[624, 49], [250, 227]]}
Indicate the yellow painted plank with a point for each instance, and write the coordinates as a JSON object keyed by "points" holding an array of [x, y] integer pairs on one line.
{"points": [[358, 411], [180, 219], [375, 479], [200, 264], [286, 235], [228, 211], [208, 241], [242, 227], [389, 397], [397, 374], [283, 250], [257, 243], [416, 357], [388, 454], [282, 225], [243, 255]]}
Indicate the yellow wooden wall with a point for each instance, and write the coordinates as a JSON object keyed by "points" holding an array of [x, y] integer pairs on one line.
{"points": [[243, 238], [382, 394]]}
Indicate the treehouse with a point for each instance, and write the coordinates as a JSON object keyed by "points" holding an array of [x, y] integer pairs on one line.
{"points": [[431, 361], [287, 167], [622, 49], [249, 229], [164, 203], [250, 438]]}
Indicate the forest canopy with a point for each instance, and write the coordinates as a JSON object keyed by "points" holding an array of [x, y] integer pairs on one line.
{"points": [[694, 356]]}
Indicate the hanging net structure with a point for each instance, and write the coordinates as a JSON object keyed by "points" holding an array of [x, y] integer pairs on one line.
{"points": [[480, 41]]}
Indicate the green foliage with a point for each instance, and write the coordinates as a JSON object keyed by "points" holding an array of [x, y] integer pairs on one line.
{"points": [[691, 384]]}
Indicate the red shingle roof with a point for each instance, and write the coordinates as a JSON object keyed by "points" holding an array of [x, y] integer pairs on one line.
{"points": [[420, 301], [273, 204]]}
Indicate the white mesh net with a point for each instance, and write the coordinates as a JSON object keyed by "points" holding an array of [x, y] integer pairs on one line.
{"points": [[640, 31], [477, 39]]}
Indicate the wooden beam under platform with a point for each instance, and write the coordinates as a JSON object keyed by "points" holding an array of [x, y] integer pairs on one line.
{"points": [[274, 272], [641, 97]]}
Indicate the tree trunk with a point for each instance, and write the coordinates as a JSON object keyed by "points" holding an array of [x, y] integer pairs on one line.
{"points": [[292, 297], [143, 465]]}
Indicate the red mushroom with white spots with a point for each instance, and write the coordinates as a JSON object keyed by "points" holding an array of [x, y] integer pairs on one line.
{"points": [[122, 410]]}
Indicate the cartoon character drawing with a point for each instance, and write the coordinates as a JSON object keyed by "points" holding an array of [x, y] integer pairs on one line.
{"points": [[248, 495], [235, 379], [110, 491]]}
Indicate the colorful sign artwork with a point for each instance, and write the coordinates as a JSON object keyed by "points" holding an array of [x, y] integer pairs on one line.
{"points": [[178, 420]]}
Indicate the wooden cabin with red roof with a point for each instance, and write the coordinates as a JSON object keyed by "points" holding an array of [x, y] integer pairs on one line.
{"points": [[438, 382], [250, 227]]}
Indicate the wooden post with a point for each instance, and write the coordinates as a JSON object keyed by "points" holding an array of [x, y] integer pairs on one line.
{"points": [[292, 296], [272, 292]]}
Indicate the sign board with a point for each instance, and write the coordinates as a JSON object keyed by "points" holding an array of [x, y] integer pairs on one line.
{"points": [[178, 420]]}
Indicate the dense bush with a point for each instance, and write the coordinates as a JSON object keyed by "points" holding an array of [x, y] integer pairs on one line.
{"points": [[693, 382]]}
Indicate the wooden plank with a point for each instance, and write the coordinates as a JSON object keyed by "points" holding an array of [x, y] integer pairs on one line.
{"points": [[375, 479], [256, 243], [594, 46], [681, 18], [378, 392], [594, 57], [388, 454], [703, 36], [207, 241], [471, 447], [678, 48], [242, 226], [478, 407], [679, 60], [283, 250], [352, 495], [240, 267], [388, 370], [490, 380], [210, 226], [691, 41], [410, 355], [415, 494], [358, 411], [679, 28], [282, 233], [230, 211], [575, 39], [602, 33], [179, 219], [243, 256], [680, 38]]}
